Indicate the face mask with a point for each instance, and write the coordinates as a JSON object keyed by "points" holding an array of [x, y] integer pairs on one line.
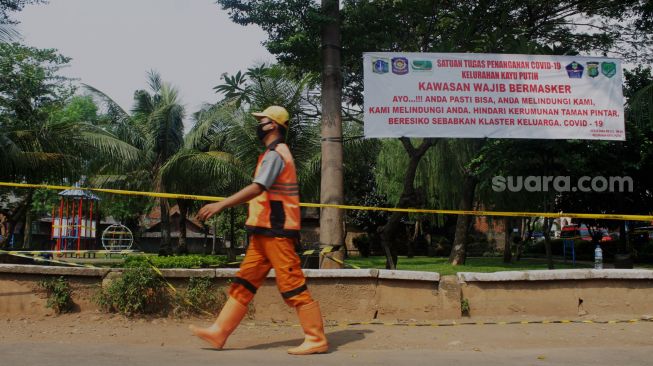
{"points": [[259, 131]]}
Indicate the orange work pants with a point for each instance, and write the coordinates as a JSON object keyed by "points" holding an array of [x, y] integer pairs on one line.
{"points": [[263, 254]]}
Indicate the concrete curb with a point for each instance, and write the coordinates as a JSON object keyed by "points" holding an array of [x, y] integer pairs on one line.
{"points": [[409, 275], [53, 270], [222, 272], [187, 273], [556, 275]]}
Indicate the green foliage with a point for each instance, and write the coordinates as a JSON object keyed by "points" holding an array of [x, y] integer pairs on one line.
{"points": [[59, 294], [464, 307], [223, 224], [7, 6], [36, 142], [181, 261], [44, 200], [200, 296], [78, 109], [126, 209], [30, 86], [155, 130], [494, 26], [222, 147], [138, 290]]}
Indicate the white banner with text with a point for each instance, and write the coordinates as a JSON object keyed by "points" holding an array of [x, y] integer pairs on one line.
{"points": [[471, 95]]}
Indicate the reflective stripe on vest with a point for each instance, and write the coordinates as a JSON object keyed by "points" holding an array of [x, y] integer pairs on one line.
{"points": [[276, 212]]}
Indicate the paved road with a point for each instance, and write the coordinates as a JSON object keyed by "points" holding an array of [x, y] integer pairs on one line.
{"points": [[53, 354], [102, 340]]}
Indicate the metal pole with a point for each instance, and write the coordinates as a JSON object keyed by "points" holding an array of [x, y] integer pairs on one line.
{"points": [[79, 225]]}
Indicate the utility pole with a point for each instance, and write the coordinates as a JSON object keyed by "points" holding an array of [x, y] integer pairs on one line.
{"points": [[331, 187]]}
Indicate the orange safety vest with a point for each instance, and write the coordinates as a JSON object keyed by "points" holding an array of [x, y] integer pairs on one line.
{"points": [[276, 212]]}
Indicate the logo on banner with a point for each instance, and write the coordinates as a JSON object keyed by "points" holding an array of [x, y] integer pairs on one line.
{"points": [[421, 65], [380, 65], [399, 65], [593, 69], [575, 70], [608, 69]]}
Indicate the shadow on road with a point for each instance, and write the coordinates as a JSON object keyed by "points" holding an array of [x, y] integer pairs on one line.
{"points": [[336, 339]]}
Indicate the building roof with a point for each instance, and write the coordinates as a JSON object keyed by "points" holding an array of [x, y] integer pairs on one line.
{"points": [[79, 193]]}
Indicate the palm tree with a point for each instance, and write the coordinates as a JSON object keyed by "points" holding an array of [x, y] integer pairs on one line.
{"points": [[36, 144], [53, 151], [8, 33], [155, 127], [222, 148]]}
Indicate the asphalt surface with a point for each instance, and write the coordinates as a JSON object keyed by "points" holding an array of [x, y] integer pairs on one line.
{"points": [[53, 354], [103, 340]]}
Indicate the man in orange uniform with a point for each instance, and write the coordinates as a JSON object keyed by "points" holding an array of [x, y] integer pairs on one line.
{"points": [[273, 224]]}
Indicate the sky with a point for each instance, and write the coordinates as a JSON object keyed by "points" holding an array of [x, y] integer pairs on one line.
{"points": [[113, 43]]}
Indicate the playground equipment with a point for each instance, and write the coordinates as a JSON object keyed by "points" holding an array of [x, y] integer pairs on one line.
{"points": [[117, 237], [73, 225]]}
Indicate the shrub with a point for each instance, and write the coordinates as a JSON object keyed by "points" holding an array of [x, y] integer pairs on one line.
{"points": [[138, 291], [464, 307], [59, 294], [180, 261], [201, 296]]}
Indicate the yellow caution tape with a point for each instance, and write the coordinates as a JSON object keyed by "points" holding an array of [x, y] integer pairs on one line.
{"points": [[517, 322], [46, 260], [350, 207]]}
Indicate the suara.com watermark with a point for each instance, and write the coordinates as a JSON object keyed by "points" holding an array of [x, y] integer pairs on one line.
{"points": [[563, 183]]}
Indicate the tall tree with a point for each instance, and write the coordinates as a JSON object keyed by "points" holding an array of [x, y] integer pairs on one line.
{"points": [[554, 27], [37, 144], [155, 127], [331, 187], [8, 32], [221, 148]]}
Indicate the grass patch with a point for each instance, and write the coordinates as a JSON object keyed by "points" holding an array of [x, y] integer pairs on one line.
{"points": [[442, 266]]}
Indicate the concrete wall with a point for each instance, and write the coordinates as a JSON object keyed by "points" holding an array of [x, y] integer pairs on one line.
{"points": [[566, 293], [365, 295]]}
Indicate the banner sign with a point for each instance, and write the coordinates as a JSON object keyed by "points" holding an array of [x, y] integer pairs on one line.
{"points": [[470, 95]]}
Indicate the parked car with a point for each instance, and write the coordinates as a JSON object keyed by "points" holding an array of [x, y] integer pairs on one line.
{"points": [[576, 232], [583, 233], [642, 235], [537, 236]]}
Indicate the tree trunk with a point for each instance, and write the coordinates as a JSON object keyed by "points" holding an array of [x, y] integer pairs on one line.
{"points": [[527, 232], [331, 187], [507, 248], [182, 246], [407, 199], [410, 251], [548, 222], [9, 230], [459, 249], [166, 245], [27, 228]]}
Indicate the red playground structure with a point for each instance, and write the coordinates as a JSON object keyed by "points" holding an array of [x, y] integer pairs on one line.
{"points": [[73, 224]]}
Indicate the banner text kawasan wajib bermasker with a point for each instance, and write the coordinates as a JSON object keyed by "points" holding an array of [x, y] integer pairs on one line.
{"points": [[493, 95]]}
